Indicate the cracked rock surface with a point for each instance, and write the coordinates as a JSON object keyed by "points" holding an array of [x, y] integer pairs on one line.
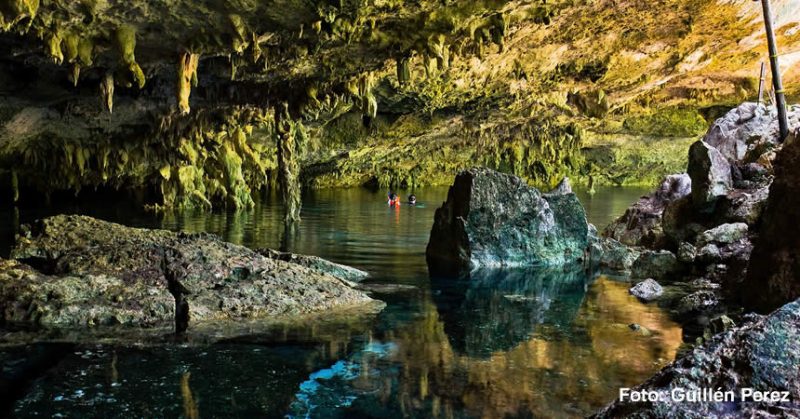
{"points": [[79, 271]]}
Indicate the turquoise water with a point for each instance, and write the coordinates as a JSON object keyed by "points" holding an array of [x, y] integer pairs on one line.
{"points": [[515, 344]]}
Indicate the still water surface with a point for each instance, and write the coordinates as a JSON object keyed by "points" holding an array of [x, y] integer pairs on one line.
{"points": [[514, 344]]}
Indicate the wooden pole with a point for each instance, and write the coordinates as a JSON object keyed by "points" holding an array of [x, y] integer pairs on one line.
{"points": [[761, 80], [780, 99]]}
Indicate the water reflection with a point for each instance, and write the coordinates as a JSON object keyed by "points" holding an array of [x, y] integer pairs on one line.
{"points": [[545, 343], [498, 310], [571, 364], [190, 410]]}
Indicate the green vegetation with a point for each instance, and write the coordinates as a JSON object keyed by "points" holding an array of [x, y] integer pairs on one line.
{"points": [[670, 122], [385, 92]]}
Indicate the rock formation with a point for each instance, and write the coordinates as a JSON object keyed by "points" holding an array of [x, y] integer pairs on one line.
{"points": [[494, 220], [647, 290], [641, 223], [773, 276], [763, 355], [75, 271], [165, 99], [710, 172]]}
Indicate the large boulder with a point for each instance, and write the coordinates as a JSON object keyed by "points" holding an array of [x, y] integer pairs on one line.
{"points": [[641, 223], [763, 355], [711, 175], [495, 220], [744, 128], [774, 269], [745, 206], [75, 271]]}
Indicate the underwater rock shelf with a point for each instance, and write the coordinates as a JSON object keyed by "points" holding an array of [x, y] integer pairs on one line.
{"points": [[79, 272]]}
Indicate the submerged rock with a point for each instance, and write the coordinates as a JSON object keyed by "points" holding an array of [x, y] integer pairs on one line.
{"points": [[94, 272], [774, 269], [640, 330], [495, 220], [763, 355], [647, 290], [641, 223]]}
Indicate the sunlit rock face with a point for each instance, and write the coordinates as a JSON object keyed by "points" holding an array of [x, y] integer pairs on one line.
{"points": [[493, 220], [169, 97]]}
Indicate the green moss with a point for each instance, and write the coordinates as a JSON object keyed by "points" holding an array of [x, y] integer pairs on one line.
{"points": [[667, 122], [53, 46], [615, 159], [125, 40]]}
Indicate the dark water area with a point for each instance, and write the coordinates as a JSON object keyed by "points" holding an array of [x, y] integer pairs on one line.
{"points": [[511, 344]]}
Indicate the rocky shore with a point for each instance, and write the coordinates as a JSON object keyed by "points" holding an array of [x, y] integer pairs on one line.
{"points": [[726, 235], [709, 245], [699, 228], [79, 272]]}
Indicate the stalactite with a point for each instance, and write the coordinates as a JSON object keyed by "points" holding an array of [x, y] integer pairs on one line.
{"points": [[187, 77], [75, 74], [288, 168], [54, 48], [240, 30], [107, 91], [125, 38], [438, 48], [403, 71], [255, 48], [14, 186], [85, 51]]}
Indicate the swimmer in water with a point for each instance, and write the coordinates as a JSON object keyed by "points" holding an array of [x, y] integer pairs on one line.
{"points": [[394, 200], [412, 200]]}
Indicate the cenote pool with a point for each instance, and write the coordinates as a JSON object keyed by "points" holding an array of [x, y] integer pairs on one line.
{"points": [[514, 344]]}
